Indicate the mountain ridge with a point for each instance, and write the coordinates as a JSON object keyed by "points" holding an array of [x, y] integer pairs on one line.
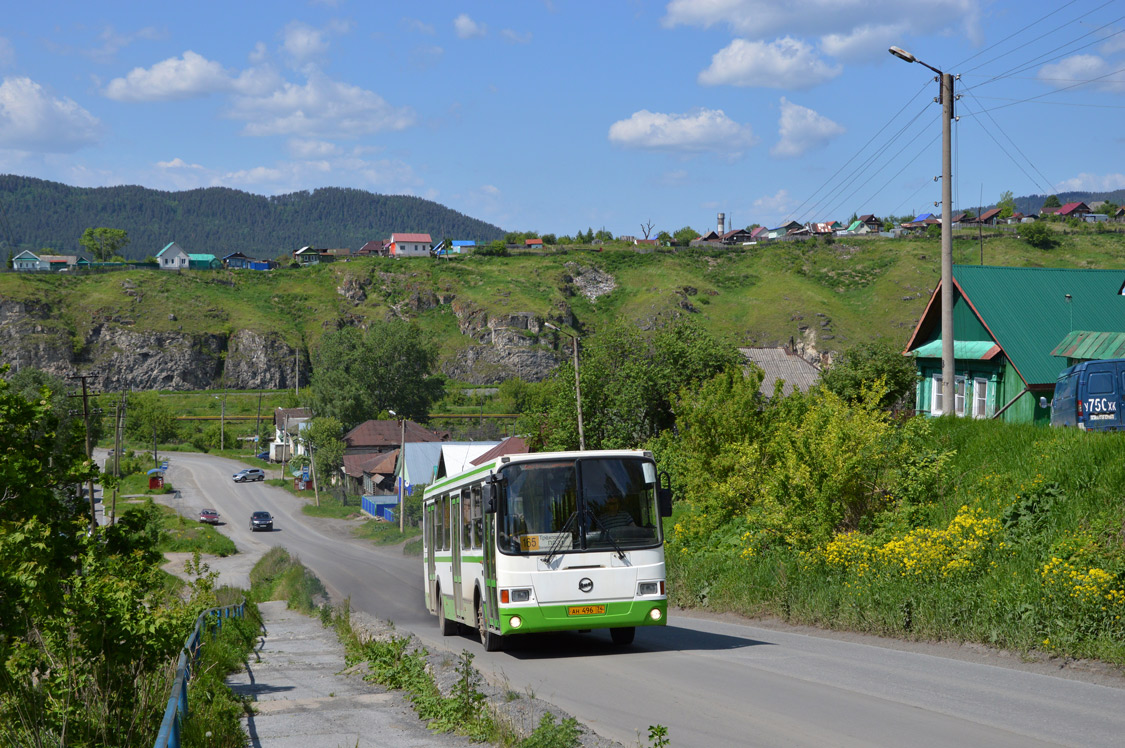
{"points": [[37, 214]]}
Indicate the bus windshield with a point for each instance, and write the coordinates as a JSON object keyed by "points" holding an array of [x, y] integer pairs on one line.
{"points": [[583, 504]]}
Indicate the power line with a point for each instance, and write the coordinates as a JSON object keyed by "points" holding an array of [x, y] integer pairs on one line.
{"points": [[1017, 33], [1009, 155], [1059, 90], [796, 211]]}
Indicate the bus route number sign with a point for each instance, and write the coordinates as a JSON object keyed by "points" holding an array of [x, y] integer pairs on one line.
{"points": [[585, 610], [529, 542]]}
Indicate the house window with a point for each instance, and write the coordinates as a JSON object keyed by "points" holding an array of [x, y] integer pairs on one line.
{"points": [[980, 398], [937, 405]]}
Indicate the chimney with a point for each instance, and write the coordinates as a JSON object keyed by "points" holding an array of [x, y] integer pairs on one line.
{"points": [[722, 218]]}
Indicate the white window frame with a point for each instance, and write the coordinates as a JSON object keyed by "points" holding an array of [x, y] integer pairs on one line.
{"points": [[980, 397], [937, 406]]}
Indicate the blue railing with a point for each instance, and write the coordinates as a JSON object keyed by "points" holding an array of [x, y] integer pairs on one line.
{"points": [[171, 729]]}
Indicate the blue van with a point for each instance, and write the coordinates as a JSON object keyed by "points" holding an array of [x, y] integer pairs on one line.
{"points": [[1090, 395]]}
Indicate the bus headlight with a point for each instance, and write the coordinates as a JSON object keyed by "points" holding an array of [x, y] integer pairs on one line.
{"points": [[650, 588], [655, 614], [515, 622], [517, 595]]}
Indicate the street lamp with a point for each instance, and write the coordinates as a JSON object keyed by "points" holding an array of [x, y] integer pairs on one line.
{"points": [[577, 387], [948, 369], [401, 472]]}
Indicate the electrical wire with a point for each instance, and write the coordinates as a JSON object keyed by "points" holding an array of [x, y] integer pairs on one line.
{"points": [[1017, 33], [1051, 93], [1011, 157], [856, 155]]}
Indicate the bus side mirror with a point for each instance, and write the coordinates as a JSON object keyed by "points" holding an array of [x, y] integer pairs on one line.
{"points": [[488, 498], [664, 496]]}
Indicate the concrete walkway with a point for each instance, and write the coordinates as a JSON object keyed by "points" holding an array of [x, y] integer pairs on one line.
{"points": [[304, 698]]}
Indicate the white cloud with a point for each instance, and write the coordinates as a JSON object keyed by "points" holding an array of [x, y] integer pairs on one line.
{"points": [[259, 53], [774, 207], [863, 44], [697, 131], [177, 163], [185, 77], [758, 19], [1092, 183], [302, 42], [489, 189], [1077, 68], [516, 37], [312, 148], [322, 108], [467, 28], [784, 63], [800, 129], [31, 119], [1115, 43], [347, 171]]}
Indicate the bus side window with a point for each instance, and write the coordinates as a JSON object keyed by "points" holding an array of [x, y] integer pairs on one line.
{"points": [[448, 507], [477, 517], [466, 524]]}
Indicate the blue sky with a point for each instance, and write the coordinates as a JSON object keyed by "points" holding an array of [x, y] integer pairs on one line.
{"points": [[557, 116]]}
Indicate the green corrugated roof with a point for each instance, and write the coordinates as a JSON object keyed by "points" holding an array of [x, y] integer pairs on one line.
{"points": [[1027, 311], [1091, 345], [975, 350]]}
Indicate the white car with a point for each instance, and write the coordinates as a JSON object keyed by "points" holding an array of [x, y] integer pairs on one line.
{"points": [[249, 474]]}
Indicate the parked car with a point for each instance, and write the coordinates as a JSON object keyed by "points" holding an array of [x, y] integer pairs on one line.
{"points": [[210, 516], [263, 456], [249, 474], [261, 521], [1090, 395]]}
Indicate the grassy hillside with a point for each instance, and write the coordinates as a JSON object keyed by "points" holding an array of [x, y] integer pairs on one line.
{"points": [[832, 295]]}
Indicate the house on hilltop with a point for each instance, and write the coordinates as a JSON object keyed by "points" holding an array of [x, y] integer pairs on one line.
{"points": [[1002, 343], [410, 245], [172, 257]]}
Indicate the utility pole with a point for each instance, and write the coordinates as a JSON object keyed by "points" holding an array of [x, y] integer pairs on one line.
{"points": [[89, 447], [948, 362], [258, 426], [117, 412]]}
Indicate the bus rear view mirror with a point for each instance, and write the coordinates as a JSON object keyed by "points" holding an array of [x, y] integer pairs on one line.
{"points": [[664, 496], [488, 497]]}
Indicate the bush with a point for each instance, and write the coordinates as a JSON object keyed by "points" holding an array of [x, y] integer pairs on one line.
{"points": [[1039, 235]]}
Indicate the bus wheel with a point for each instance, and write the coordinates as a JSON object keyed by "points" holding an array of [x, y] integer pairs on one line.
{"points": [[446, 626], [623, 636], [492, 642]]}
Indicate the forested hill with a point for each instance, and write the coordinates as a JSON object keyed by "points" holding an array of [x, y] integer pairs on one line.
{"points": [[37, 214]]}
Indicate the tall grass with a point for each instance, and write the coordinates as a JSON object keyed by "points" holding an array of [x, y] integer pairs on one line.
{"points": [[1024, 548]]}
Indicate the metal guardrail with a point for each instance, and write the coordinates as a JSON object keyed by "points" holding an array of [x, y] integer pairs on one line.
{"points": [[172, 727]]}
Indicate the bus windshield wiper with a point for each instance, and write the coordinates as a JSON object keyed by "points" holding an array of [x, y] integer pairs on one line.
{"points": [[608, 534], [556, 546]]}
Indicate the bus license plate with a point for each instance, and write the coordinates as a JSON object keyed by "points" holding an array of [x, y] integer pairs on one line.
{"points": [[585, 610]]}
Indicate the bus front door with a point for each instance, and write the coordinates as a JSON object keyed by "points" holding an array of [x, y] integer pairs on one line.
{"points": [[431, 565]]}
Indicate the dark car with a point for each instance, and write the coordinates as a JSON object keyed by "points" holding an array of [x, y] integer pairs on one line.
{"points": [[249, 474], [210, 516], [261, 521], [263, 456]]}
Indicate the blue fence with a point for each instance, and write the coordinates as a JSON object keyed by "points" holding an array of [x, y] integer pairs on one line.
{"points": [[382, 507], [171, 729]]}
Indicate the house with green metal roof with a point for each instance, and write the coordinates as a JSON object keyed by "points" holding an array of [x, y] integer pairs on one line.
{"points": [[1007, 323], [203, 262]]}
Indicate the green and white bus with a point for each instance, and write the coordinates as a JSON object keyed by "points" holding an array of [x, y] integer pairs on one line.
{"points": [[553, 541]]}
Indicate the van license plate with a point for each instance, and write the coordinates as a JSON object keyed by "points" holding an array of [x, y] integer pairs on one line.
{"points": [[585, 610]]}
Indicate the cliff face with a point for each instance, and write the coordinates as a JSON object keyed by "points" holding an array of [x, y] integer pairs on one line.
{"points": [[123, 357]]}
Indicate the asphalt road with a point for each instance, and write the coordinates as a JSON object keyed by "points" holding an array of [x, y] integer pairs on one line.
{"points": [[711, 683]]}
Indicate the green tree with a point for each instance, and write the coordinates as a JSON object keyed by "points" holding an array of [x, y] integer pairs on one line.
{"points": [[861, 366], [324, 438], [1007, 204], [550, 239], [629, 380], [149, 418], [1052, 201], [684, 236], [1038, 235], [390, 366], [104, 243]]}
